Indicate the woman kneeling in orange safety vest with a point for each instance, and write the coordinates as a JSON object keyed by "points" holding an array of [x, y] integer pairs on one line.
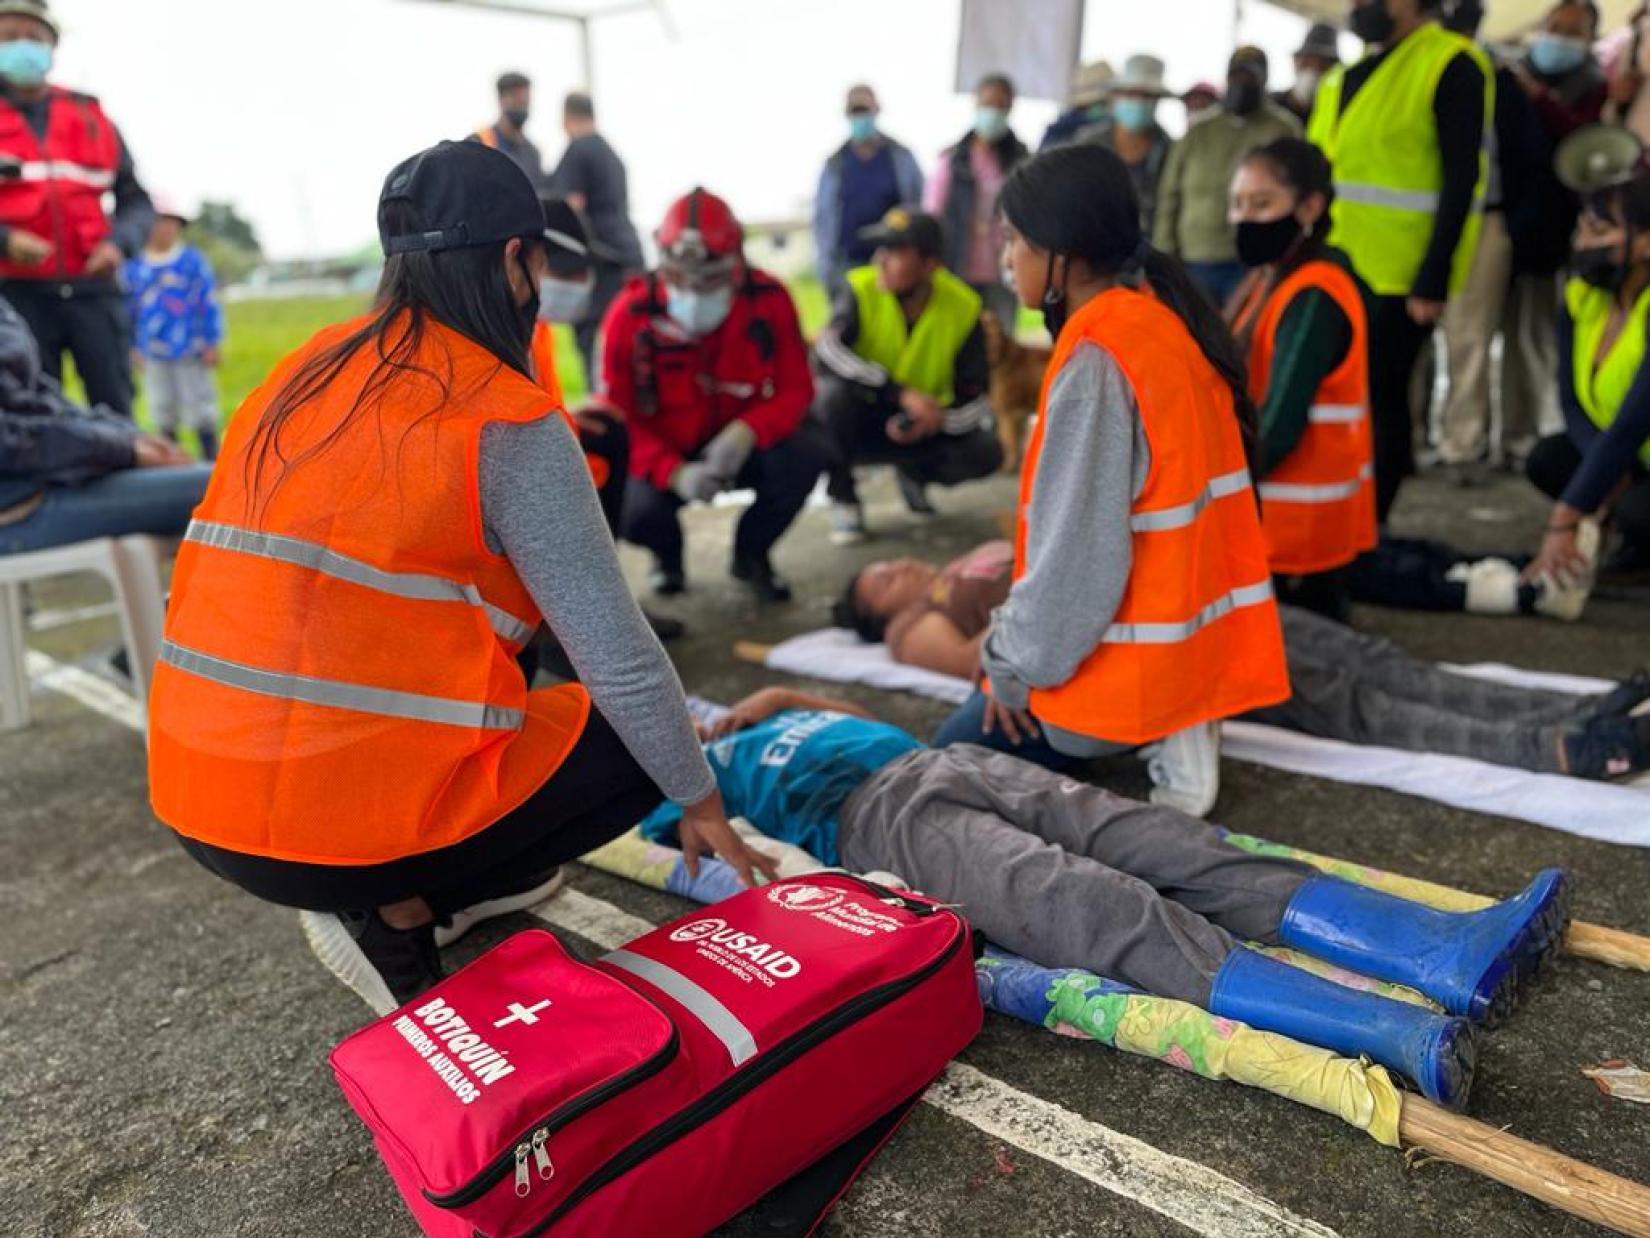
{"points": [[1300, 315], [1142, 605], [339, 722]]}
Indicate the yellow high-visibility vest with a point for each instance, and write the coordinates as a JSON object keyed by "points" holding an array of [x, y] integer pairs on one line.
{"points": [[1388, 170], [923, 355], [1601, 388]]}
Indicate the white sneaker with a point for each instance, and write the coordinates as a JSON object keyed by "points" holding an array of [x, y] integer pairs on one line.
{"points": [[847, 524], [1567, 601], [1492, 586], [1185, 769], [466, 918]]}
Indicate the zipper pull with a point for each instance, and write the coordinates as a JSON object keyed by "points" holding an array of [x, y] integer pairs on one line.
{"points": [[524, 1181], [541, 1155]]}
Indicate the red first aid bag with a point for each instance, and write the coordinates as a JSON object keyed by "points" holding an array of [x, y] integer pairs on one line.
{"points": [[668, 1085]]}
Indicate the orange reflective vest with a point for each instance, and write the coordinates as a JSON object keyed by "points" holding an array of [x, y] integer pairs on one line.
{"points": [[338, 682], [1318, 503], [543, 353], [1195, 636]]}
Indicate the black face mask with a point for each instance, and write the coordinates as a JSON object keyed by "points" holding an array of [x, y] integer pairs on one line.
{"points": [[1372, 23], [1243, 97], [1054, 300], [517, 116], [1260, 242], [1601, 266]]}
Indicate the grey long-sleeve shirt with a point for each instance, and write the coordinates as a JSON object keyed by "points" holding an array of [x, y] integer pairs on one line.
{"points": [[1094, 462], [539, 509]]}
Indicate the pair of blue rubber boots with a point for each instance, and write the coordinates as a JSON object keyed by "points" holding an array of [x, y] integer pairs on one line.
{"points": [[1471, 963]]}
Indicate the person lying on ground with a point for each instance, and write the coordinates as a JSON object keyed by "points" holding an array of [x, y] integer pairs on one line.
{"points": [[1347, 685], [1071, 875], [70, 473]]}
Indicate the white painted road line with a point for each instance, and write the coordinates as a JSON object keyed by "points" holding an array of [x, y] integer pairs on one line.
{"points": [[87, 688], [1202, 1199]]}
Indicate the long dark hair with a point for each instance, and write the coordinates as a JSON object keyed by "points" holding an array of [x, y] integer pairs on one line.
{"points": [[1304, 170], [464, 289], [1079, 202]]}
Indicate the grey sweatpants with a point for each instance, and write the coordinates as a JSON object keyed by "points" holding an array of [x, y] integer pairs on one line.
{"points": [[181, 393], [1365, 690], [1065, 873]]}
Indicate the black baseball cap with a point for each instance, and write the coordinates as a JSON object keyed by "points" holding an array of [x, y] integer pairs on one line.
{"points": [[564, 240], [900, 227], [468, 193]]}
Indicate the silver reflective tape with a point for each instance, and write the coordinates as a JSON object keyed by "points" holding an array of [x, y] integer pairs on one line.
{"points": [[1177, 517], [1328, 492], [317, 557], [721, 1022], [1383, 195], [1169, 633], [1336, 414], [60, 170], [339, 695]]}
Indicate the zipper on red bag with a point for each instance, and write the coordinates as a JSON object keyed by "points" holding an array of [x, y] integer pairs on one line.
{"points": [[736, 1085], [532, 1145]]}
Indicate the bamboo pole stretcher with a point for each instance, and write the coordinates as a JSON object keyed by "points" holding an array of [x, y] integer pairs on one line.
{"points": [[1601, 944], [1562, 1181]]}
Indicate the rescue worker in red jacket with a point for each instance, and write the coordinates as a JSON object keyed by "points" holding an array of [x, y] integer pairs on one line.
{"points": [[60, 251], [706, 360]]}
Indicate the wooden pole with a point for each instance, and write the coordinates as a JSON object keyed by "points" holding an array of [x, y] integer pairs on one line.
{"points": [[1565, 1183], [1613, 947]]}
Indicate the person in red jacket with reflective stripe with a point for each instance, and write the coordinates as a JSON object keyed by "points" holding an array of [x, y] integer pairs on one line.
{"points": [[706, 360], [60, 252]]}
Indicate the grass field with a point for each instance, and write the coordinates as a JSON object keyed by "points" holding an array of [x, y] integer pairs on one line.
{"points": [[260, 333]]}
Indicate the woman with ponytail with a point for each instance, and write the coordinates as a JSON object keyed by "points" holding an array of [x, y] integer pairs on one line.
{"points": [[1141, 609], [1300, 315]]}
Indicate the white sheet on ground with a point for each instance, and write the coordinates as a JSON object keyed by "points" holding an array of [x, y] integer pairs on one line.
{"points": [[1610, 812]]}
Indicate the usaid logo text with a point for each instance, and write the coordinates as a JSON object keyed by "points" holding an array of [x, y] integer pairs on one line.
{"points": [[804, 897], [698, 930]]}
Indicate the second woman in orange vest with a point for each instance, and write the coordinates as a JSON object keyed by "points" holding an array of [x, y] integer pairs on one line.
{"points": [[338, 722], [1141, 609], [1300, 315]]}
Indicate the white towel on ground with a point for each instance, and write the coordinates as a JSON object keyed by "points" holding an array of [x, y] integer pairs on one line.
{"points": [[1610, 812]]}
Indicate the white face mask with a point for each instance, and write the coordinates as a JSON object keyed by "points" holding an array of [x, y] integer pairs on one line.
{"points": [[698, 313], [1306, 84], [563, 300]]}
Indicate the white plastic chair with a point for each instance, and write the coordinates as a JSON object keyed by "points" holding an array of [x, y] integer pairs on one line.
{"points": [[130, 564]]}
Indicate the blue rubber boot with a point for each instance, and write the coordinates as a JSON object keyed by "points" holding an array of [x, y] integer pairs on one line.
{"points": [[1435, 1052], [1470, 962]]}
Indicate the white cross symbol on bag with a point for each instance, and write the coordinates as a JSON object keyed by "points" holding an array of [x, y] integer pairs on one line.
{"points": [[523, 1014]]}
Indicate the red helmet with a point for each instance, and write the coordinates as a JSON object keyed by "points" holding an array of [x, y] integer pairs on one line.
{"points": [[700, 239]]}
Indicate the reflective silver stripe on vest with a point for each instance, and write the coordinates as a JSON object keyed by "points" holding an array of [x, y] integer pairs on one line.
{"points": [[340, 695], [721, 1021], [317, 557], [1170, 633], [1329, 492], [1176, 517], [60, 170], [1335, 414], [1385, 195]]}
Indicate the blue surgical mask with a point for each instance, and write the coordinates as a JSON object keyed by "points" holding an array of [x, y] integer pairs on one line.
{"points": [[563, 300], [698, 313], [1134, 115], [25, 62], [862, 127], [1553, 54], [991, 123]]}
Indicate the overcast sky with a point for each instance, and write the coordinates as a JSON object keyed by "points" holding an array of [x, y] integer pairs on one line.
{"points": [[295, 110]]}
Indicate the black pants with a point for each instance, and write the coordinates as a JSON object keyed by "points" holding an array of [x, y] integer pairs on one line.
{"points": [[1327, 593], [598, 793], [1395, 341], [858, 434], [588, 330], [93, 326], [1554, 461], [782, 476], [1412, 573], [610, 443]]}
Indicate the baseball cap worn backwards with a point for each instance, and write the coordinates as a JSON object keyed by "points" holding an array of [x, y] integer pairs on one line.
{"points": [[468, 194]]}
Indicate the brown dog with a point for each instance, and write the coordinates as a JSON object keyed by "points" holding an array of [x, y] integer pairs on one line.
{"points": [[1016, 383]]}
